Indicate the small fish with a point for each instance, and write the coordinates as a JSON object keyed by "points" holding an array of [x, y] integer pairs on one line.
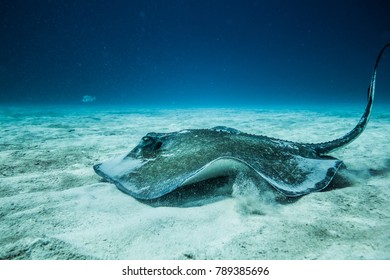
{"points": [[88, 98]]}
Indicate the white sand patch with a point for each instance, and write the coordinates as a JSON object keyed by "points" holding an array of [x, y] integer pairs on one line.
{"points": [[53, 205]]}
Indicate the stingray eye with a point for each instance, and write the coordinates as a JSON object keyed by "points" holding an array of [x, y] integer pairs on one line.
{"points": [[146, 138], [158, 145]]}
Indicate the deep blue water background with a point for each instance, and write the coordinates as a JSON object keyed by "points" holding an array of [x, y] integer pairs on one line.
{"points": [[192, 52]]}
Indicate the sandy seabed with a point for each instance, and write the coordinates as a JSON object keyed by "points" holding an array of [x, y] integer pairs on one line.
{"points": [[53, 205]]}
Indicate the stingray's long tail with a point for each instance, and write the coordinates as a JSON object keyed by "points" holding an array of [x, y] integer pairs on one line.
{"points": [[326, 147]]}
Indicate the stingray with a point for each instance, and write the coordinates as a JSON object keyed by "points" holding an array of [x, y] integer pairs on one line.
{"points": [[164, 162]]}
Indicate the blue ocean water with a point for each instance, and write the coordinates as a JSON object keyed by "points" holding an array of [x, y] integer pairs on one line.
{"points": [[178, 53]]}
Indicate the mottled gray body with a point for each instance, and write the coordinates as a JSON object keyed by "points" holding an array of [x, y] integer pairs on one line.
{"points": [[205, 153]]}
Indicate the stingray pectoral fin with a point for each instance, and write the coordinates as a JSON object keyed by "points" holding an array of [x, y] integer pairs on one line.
{"points": [[142, 179], [118, 170], [145, 179], [298, 175]]}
